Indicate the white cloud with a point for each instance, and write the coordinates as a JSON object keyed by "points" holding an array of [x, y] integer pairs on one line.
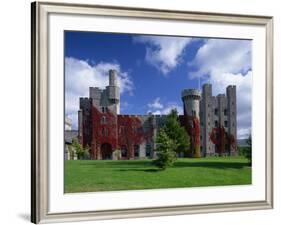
{"points": [[80, 75], [164, 53], [218, 56], [155, 104], [228, 62], [158, 108]]}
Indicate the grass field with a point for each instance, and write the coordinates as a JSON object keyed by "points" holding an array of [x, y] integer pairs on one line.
{"points": [[107, 175]]}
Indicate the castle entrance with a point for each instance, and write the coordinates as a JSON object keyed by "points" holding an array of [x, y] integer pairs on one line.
{"points": [[106, 151]]}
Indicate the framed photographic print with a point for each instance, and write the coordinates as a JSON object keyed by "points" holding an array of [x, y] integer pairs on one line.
{"points": [[147, 112]]}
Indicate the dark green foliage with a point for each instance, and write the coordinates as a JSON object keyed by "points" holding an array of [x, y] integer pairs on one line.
{"points": [[176, 132], [241, 150], [166, 155], [82, 153], [248, 150]]}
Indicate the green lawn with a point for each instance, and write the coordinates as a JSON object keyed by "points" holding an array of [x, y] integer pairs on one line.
{"points": [[105, 175]]}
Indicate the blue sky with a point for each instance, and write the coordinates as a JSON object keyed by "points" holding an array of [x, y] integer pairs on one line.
{"points": [[154, 69]]}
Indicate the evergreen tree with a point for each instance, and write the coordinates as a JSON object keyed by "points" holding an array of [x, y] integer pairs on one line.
{"points": [[165, 149], [176, 132]]}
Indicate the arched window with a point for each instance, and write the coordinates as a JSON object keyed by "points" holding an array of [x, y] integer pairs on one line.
{"points": [[124, 151]]}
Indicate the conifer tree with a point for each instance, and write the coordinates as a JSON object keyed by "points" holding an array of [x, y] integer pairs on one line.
{"points": [[166, 155], [176, 132]]}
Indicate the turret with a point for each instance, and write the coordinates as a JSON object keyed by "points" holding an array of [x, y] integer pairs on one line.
{"points": [[112, 78], [191, 101]]}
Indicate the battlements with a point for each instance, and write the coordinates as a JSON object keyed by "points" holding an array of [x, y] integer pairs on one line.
{"points": [[221, 96], [191, 93], [231, 87]]}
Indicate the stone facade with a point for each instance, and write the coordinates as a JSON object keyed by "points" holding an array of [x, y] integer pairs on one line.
{"points": [[218, 112], [113, 136]]}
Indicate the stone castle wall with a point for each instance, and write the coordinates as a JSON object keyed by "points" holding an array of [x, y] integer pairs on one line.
{"points": [[133, 136]]}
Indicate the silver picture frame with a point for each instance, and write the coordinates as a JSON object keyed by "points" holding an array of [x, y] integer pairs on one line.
{"points": [[40, 104]]}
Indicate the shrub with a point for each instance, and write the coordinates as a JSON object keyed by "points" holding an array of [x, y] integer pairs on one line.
{"points": [[82, 153]]}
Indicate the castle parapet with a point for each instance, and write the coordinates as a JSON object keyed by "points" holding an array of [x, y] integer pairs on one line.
{"points": [[191, 94]]}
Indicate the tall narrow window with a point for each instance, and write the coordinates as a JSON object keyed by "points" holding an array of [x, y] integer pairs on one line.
{"points": [[148, 151], [216, 123], [225, 112], [225, 123], [124, 151], [121, 130], [216, 111], [103, 120]]}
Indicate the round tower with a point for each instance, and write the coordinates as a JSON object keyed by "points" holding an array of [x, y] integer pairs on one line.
{"points": [[191, 102]]}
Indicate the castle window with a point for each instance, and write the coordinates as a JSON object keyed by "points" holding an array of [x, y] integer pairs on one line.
{"points": [[103, 120], [216, 123], [148, 150], [104, 109], [104, 132], [124, 151], [121, 130], [225, 123], [216, 111], [225, 112]]}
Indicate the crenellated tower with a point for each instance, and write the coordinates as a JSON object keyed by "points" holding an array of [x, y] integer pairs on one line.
{"points": [[191, 101], [232, 116]]}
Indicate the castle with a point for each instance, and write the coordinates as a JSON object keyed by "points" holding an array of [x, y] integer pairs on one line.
{"points": [[210, 121]]}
